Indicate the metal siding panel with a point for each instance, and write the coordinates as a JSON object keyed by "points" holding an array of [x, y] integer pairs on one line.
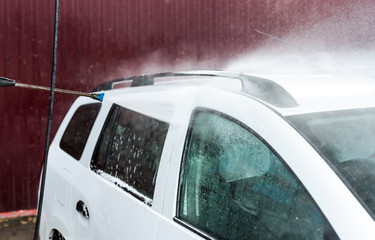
{"points": [[100, 40]]}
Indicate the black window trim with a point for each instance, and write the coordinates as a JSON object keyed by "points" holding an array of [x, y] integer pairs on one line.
{"points": [[193, 228], [194, 113], [107, 119]]}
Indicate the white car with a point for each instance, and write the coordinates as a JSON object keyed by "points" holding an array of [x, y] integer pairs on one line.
{"points": [[215, 155]]}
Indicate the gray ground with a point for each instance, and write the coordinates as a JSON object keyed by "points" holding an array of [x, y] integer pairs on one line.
{"points": [[18, 228]]}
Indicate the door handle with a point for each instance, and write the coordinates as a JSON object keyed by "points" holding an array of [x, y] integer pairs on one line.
{"points": [[82, 208]]}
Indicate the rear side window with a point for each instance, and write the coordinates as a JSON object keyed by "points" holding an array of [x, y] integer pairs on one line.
{"points": [[129, 151], [234, 187], [78, 130]]}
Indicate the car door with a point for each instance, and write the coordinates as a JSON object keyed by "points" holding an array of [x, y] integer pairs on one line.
{"points": [[64, 162], [236, 174], [115, 191]]}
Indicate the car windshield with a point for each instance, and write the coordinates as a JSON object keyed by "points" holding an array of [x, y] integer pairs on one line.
{"points": [[346, 140]]}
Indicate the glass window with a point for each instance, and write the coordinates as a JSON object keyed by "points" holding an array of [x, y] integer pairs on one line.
{"points": [[346, 140], [78, 130], [234, 187], [129, 151]]}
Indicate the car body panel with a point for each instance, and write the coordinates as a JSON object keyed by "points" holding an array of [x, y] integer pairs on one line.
{"points": [[326, 188], [116, 214]]}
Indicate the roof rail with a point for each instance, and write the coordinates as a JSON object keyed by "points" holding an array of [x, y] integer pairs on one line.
{"points": [[261, 88]]}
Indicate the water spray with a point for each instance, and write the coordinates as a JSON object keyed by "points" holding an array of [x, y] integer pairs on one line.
{"points": [[6, 82], [311, 53]]}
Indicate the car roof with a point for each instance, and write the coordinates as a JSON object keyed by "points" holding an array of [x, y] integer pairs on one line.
{"points": [[327, 91], [288, 94]]}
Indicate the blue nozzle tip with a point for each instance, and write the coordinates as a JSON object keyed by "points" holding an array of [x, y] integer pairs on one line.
{"points": [[98, 96]]}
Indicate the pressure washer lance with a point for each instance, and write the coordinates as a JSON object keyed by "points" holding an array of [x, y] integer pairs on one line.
{"points": [[6, 82]]}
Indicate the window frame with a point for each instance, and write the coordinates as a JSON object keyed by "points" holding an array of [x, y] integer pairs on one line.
{"points": [[194, 113], [116, 112], [98, 106]]}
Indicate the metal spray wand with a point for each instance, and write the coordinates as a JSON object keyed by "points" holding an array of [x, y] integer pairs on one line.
{"points": [[6, 82]]}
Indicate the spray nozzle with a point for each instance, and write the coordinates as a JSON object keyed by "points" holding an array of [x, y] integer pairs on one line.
{"points": [[97, 96], [6, 82]]}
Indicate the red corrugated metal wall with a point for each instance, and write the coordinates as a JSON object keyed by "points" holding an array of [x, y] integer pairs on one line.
{"points": [[100, 40]]}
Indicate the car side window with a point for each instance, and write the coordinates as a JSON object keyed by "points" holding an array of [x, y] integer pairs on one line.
{"points": [[129, 150], [233, 186], [78, 130]]}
